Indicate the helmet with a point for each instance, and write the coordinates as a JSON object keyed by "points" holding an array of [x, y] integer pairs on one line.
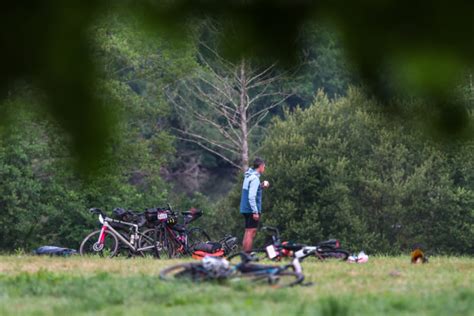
{"points": [[216, 266]]}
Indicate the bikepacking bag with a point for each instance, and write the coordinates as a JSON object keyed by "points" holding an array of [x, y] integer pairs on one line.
{"points": [[229, 244], [199, 255], [54, 251], [208, 246], [120, 214], [204, 249]]}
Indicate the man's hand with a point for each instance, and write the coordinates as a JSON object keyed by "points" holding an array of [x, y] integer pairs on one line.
{"points": [[256, 216]]}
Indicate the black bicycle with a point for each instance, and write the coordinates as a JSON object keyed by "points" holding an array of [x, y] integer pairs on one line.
{"points": [[220, 269], [276, 250], [174, 239]]}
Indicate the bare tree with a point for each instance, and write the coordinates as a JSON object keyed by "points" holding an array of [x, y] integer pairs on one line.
{"points": [[223, 105]]}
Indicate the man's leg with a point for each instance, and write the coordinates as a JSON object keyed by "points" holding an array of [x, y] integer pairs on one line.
{"points": [[249, 235]]}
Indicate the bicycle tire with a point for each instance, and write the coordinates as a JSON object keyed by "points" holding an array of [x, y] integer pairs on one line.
{"points": [[168, 245], [339, 254], [148, 238], [87, 245], [191, 271], [195, 236]]}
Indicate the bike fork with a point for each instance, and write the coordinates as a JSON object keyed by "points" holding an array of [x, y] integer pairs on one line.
{"points": [[102, 235]]}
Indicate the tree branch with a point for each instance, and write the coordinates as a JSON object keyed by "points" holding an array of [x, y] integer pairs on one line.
{"points": [[222, 146], [212, 151]]}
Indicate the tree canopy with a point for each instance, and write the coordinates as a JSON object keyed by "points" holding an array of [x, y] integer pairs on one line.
{"points": [[394, 45]]}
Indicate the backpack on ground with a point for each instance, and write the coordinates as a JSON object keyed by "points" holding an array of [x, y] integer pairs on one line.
{"points": [[215, 249], [54, 251]]}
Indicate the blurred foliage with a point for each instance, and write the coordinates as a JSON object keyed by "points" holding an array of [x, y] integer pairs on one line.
{"points": [[45, 201], [416, 47]]}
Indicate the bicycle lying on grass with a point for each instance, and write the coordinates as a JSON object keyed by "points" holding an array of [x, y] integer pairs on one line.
{"points": [[219, 269], [329, 249]]}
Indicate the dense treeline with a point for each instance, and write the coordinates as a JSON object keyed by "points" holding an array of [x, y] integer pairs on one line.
{"points": [[339, 165], [343, 169]]}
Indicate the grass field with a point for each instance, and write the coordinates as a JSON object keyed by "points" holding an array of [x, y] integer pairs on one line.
{"points": [[86, 286]]}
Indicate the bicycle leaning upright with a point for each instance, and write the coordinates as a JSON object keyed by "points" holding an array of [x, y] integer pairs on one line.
{"points": [[118, 235], [172, 238]]}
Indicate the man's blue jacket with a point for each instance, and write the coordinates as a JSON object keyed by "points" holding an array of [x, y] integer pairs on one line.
{"points": [[251, 200]]}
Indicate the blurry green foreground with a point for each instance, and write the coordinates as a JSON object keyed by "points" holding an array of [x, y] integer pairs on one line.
{"points": [[385, 285]]}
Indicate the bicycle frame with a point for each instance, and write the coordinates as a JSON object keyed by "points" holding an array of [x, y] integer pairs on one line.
{"points": [[295, 263], [106, 226], [173, 234], [275, 249]]}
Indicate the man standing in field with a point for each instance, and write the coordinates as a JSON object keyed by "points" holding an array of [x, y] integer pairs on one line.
{"points": [[251, 201]]}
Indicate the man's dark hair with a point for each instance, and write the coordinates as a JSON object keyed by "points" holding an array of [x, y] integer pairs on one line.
{"points": [[258, 162]]}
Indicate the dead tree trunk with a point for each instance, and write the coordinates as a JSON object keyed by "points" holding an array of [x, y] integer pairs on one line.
{"points": [[223, 104], [243, 118]]}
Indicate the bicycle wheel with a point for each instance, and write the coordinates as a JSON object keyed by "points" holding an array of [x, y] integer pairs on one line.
{"points": [[185, 271], [280, 279], [338, 254], [91, 247], [195, 236], [166, 243], [149, 241]]}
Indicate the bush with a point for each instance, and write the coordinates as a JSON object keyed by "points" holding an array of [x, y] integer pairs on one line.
{"points": [[343, 169]]}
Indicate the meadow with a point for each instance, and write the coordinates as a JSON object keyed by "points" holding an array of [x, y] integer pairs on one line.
{"points": [[92, 286]]}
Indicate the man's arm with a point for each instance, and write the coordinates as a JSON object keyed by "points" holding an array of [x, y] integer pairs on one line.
{"points": [[253, 188]]}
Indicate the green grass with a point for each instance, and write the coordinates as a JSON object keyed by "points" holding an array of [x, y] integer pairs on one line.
{"points": [[86, 286]]}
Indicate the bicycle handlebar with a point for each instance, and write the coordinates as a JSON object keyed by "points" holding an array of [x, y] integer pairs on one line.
{"points": [[97, 211]]}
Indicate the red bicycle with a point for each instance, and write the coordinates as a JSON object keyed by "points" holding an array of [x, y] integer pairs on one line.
{"points": [[172, 238]]}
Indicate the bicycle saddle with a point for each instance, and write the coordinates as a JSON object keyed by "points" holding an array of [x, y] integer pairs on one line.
{"points": [[192, 213]]}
